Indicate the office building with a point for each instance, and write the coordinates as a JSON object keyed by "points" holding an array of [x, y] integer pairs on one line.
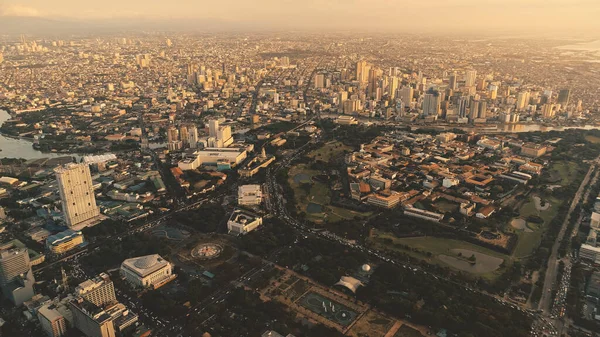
{"points": [[150, 271], [192, 136], [470, 77], [249, 195], [213, 127], [431, 103], [243, 222], [453, 82], [362, 71], [16, 278], [563, 97], [99, 290], [52, 321], [64, 241], [90, 319], [76, 193], [319, 81]]}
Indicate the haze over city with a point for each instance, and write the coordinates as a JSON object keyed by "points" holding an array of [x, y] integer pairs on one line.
{"points": [[520, 17], [271, 168]]}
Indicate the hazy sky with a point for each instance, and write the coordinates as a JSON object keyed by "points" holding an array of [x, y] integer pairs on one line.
{"points": [[529, 16]]}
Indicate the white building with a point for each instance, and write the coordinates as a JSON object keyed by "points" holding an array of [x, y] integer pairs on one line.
{"points": [[190, 163], [591, 253], [76, 193], [52, 321], [147, 271], [249, 195], [210, 156], [449, 182], [242, 222]]}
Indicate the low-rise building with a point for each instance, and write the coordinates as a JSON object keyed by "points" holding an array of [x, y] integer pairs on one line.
{"points": [[242, 222], [249, 195], [64, 241], [150, 271], [533, 150]]}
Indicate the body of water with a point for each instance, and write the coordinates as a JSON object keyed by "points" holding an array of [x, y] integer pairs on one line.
{"points": [[585, 46], [20, 148]]}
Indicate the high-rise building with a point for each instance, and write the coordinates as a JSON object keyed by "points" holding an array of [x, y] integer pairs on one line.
{"points": [[1, 57], [319, 81], [193, 136], [172, 134], [90, 319], [453, 81], [362, 71], [548, 110], [470, 77], [213, 127], [393, 87], [16, 278], [76, 193], [522, 99], [431, 103], [52, 321], [563, 97], [482, 109], [406, 95], [183, 134], [463, 103], [99, 290]]}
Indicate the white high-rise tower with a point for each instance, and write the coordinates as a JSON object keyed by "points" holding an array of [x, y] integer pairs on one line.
{"points": [[76, 193]]}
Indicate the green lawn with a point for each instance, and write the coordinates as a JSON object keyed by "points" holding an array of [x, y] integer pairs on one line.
{"points": [[528, 241], [319, 194], [329, 150], [565, 170], [434, 245]]}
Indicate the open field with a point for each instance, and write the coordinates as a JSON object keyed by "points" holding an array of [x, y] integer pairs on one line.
{"points": [[314, 197], [444, 252], [530, 235], [328, 151], [372, 324], [563, 172], [592, 139]]}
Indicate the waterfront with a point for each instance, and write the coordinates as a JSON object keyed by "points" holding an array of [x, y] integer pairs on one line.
{"points": [[20, 148]]}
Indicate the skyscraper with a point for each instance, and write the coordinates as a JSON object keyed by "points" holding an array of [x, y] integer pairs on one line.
{"points": [[564, 96], [213, 127], [76, 193], [16, 278], [431, 103], [463, 102], [406, 94], [453, 81], [362, 71], [193, 136], [470, 77]]}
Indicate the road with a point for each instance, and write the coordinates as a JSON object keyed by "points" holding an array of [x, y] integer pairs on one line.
{"points": [[551, 270], [279, 210]]}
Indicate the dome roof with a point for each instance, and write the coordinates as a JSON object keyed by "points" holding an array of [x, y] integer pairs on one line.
{"points": [[146, 262], [366, 267]]}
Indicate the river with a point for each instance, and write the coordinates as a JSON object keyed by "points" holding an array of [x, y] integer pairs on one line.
{"points": [[20, 148]]}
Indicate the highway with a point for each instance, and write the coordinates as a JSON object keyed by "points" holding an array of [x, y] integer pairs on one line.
{"points": [[551, 270]]}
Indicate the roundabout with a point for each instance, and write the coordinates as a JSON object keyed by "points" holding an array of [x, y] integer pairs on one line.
{"points": [[207, 251]]}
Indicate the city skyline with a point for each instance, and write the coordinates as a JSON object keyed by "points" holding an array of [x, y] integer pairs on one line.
{"points": [[530, 17]]}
